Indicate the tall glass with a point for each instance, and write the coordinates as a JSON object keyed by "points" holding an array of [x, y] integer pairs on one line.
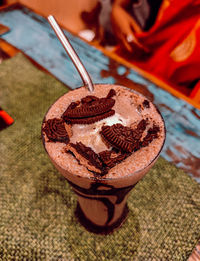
{"points": [[102, 201]]}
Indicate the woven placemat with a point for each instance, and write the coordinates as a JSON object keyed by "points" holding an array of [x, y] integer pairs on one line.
{"points": [[37, 205]]}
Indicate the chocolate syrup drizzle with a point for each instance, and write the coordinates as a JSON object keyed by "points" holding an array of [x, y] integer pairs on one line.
{"points": [[90, 193]]}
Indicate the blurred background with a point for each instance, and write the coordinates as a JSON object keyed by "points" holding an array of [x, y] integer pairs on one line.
{"points": [[170, 53], [68, 13]]}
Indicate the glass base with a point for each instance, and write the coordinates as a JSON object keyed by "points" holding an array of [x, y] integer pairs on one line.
{"points": [[91, 227]]}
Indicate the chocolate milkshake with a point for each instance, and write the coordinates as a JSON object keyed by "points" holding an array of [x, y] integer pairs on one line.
{"points": [[103, 143]]}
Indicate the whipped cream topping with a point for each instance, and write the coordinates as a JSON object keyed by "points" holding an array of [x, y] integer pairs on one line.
{"points": [[89, 134]]}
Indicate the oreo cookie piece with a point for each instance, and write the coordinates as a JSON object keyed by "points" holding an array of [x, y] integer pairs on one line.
{"points": [[111, 93], [119, 137], [137, 133], [110, 158], [89, 99], [146, 104], [123, 138], [152, 134], [90, 109], [89, 120], [86, 156], [56, 131]]}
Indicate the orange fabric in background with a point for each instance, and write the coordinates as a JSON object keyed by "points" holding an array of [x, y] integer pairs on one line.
{"points": [[173, 42]]}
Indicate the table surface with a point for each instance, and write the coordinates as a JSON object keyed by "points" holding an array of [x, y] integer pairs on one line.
{"points": [[32, 34]]}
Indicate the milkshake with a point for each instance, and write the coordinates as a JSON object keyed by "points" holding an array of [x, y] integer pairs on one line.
{"points": [[103, 143]]}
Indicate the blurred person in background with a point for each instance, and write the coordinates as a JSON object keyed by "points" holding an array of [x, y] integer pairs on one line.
{"points": [[161, 36], [132, 17], [98, 20]]}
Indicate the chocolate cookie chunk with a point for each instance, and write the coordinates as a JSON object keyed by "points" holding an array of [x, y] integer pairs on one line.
{"points": [[93, 108], [151, 134], [89, 120], [124, 138], [55, 130], [110, 158], [90, 109], [146, 104], [86, 156], [111, 94]]}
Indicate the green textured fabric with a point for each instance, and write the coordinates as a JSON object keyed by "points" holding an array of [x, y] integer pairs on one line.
{"points": [[37, 205]]}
